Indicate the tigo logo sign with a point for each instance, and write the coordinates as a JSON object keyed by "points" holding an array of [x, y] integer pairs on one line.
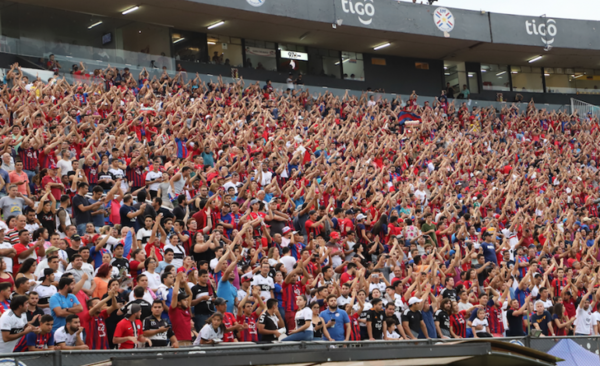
{"points": [[365, 10], [547, 30]]}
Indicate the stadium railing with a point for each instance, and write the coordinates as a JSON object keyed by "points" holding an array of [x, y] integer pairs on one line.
{"points": [[77, 358]]}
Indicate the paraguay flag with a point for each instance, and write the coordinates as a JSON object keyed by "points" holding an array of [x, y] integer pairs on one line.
{"points": [[404, 117]]}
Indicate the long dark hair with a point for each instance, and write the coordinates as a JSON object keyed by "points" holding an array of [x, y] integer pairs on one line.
{"points": [[27, 264], [558, 310], [378, 227]]}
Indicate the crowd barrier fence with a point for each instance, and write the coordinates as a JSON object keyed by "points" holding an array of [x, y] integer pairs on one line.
{"points": [[78, 358]]}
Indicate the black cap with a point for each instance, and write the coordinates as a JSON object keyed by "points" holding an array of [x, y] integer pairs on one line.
{"points": [[182, 296], [76, 237], [220, 301]]}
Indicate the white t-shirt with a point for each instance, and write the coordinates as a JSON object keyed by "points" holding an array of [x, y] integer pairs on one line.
{"points": [[118, 173], [464, 306], [13, 324], [513, 240], [380, 286], [288, 262], [208, 333], [421, 196], [478, 322], [179, 254], [266, 285], [153, 279], [152, 175], [583, 321], [302, 317], [45, 293], [62, 336], [65, 166], [143, 235], [7, 260]]}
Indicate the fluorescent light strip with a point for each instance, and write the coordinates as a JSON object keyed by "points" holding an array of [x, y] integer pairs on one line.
{"points": [[130, 10], [216, 25], [500, 73], [535, 59], [94, 25], [381, 46], [178, 40], [213, 43]]}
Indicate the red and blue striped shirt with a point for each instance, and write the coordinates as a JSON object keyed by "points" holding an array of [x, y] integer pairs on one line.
{"points": [[40, 341]]}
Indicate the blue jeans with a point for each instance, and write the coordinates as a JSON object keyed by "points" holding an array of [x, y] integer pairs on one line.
{"points": [[200, 321], [282, 312], [81, 229], [306, 335]]}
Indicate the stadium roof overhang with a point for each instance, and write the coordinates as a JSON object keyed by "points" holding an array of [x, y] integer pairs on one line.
{"points": [[476, 46]]}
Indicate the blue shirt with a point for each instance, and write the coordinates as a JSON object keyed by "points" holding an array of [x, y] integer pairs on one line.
{"points": [[208, 159], [489, 252], [227, 291], [341, 319], [59, 301], [429, 324]]}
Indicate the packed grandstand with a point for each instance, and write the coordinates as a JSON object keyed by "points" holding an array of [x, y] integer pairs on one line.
{"points": [[164, 211]]}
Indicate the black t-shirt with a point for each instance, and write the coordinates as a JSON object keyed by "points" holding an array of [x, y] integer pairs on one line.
{"points": [[70, 253], [271, 323], [32, 314], [179, 212], [203, 307], [542, 321], [145, 305], [105, 175], [121, 263], [442, 317], [515, 324], [376, 319], [159, 339], [414, 320], [81, 217], [48, 221], [449, 294]]}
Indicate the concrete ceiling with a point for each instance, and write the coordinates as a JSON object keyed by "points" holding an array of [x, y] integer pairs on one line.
{"points": [[187, 15]]}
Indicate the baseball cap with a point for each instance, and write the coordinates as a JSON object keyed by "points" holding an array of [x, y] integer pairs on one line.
{"points": [[220, 301], [3, 226], [45, 273], [286, 230], [334, 235], [51, 250], [414, 300], [350, 212], [360, 217], [133, 308], [76, 237], [254, 201], [452, 252], [182, 296], [53, 166], [312, 212]]}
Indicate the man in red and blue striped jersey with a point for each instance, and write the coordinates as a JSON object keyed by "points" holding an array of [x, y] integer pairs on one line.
{"points": [[35, 342], [291, 289]]}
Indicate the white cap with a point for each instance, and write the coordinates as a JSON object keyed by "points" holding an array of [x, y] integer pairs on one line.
{"points": [[3, 226], [360, 217], [414, 300]]}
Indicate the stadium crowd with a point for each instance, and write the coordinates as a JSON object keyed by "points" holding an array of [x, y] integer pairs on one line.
{"points": [[167, 211]]}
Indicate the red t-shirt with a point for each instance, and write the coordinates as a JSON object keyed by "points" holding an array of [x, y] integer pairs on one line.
{"points": [[181, 321], [125, 328], [56, 192], [20, 248]]}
